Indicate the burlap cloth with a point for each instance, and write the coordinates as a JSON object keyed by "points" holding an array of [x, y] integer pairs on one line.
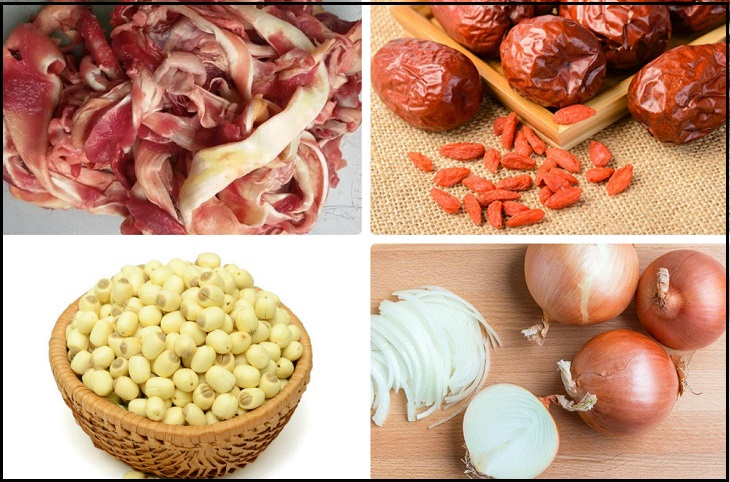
{"points": [[676, 189]]}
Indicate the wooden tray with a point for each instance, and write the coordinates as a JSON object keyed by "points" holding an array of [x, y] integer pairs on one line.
{"points": [[691, 443], [609, 103]]}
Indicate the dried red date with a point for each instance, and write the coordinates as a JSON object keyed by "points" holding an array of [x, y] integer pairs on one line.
{"points": [[695, 18], [427, 84], [553, 61], [681, 96], [631, 35], [480, 28]]}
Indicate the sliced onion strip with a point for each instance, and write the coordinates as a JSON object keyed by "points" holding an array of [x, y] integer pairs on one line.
{"points": [[432, 344]]}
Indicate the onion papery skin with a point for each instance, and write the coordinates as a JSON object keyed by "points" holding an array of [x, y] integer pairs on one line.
{"points": [[499, 422], [582, 284], [693, 313], [632, 376]]}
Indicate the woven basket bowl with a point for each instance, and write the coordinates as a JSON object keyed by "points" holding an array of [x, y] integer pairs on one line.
{"points": [[171, 450]]}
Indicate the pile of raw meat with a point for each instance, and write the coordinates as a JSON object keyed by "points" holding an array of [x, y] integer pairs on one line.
{"points": [[200, 119]]}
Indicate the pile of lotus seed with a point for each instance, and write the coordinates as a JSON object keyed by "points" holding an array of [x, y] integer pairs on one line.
{"points": [[183, 343]]}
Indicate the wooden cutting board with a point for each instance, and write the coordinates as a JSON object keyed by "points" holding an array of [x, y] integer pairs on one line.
{"points": [[691, 443]]}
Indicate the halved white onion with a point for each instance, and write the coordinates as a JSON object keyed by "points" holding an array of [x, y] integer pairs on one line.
{"points": [[431, 345], [509, 434]]}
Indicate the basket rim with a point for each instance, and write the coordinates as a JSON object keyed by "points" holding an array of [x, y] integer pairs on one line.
{"points": [[69, 382]]}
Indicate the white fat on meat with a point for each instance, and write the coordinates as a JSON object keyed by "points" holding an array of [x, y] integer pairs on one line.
{"points": [[215, 168], [154, 174]]}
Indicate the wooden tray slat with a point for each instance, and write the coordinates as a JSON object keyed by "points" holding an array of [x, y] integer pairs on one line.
{"points": [[609, 103]]}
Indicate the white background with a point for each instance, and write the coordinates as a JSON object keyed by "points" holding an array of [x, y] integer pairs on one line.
{"points": [[340, 215], [324, 280]]}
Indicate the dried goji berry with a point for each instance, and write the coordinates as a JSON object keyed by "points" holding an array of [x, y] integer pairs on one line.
{"points": [[565, 175], [448, 203], [598, 174], [563, 198], [517, 183], [512, 160], [599, 154], [572, 114], [511, 208], [492, 159], [473, 208], [499, 125], [478, 184], [620, 180], [521, 145], [497, 195], [508, 133], [564, 159], [463, 151], [554, 181], [494, 214], [536, 143], [557, 179], [451, 176], [544, 194], [422, 162], [542, 171], [525, 218]]}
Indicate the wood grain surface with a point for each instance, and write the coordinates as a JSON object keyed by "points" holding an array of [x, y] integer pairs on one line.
{"points": [[609, 103], [691, 443]]}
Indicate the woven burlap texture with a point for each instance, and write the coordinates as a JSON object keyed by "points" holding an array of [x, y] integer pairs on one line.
{"points": [[675, 190]]}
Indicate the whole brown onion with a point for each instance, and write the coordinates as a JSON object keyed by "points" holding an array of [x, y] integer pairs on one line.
{"points": [[682, 299], [553, 61], [681, 95], [480, 28], [581, 284], [635, 382], [631, 35]]}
